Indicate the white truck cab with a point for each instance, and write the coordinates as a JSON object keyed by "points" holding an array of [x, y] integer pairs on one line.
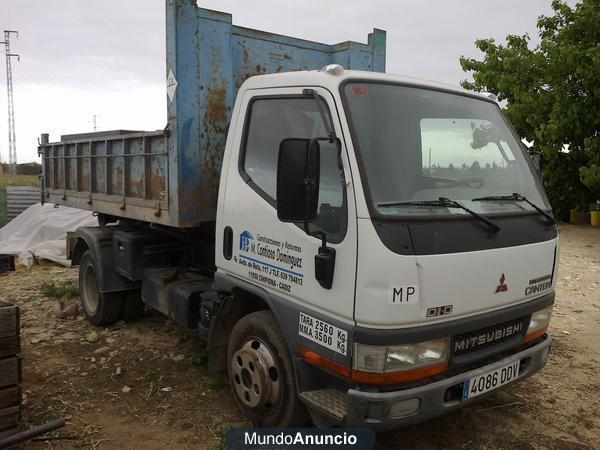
{"points": [[399, 234]]}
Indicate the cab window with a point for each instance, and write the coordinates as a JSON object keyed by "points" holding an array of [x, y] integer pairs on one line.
{"points": [[271, 120]]}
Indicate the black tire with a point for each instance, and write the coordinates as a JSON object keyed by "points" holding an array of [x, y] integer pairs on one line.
{"points": [[99, 308], [133, 306], [260, 332]]}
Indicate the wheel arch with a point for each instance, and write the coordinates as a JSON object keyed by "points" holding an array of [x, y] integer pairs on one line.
{"points": [[245, 299], [98, 240], [77, 246]]}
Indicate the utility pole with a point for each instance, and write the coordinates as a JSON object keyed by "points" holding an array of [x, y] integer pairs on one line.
{"points": [[12, 140], [94, 121]]}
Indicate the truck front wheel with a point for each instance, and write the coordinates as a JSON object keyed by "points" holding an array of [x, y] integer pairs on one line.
{"points": [[261, 373], [100, 308]]}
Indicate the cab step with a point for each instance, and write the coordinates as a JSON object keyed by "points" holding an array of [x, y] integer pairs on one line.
{"points": [[329, 401]]}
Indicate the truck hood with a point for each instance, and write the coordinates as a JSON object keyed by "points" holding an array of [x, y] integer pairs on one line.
{"points": [[396, 291], [481, 281]]}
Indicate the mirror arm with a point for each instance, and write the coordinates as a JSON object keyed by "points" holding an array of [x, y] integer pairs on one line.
{"points": [[324, 260], [318, 234]]}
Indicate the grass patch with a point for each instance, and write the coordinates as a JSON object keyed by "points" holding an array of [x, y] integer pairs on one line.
{"points": [[19, 180], [64, 289], [152, 375], [215, 380], [201, 359], [220, 435], [210, 379]]}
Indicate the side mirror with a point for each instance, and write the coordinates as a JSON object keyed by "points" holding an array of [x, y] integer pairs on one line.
{"points": [[298, 175], [538, 160]]}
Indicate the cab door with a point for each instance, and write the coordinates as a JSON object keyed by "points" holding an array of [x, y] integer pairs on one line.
{"points": [[277, 256]]}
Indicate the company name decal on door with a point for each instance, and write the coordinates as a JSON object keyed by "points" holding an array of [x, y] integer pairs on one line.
{"points": [[322, 333], [278, 264]]}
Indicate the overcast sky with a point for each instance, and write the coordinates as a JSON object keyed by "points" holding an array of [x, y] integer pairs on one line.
{"points": [[81, 58]]}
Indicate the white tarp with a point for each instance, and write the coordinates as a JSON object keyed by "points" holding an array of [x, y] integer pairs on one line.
{"points": [[40, 231]]}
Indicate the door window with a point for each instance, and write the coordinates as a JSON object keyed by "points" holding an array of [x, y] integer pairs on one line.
{"points": [[272, 120]]}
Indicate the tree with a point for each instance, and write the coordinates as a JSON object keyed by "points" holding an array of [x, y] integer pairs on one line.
{"points": [[590, 173], [475, 167], [552, 95]]}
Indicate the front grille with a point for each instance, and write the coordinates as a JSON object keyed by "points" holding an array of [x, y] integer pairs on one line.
{"points": [[474, 341]]}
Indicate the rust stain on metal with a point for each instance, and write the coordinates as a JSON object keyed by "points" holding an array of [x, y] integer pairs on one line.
{"points": [[89, 179], [136, 188], [85, 175], [207, 196], [212, 173], [157, 180], [117, 179], [213, 132], [246, 57], [216, 111], [261, 34], [100, 174], [86, 181]]}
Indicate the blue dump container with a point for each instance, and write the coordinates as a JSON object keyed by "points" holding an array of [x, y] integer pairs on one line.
{"points": [[171, 177]]}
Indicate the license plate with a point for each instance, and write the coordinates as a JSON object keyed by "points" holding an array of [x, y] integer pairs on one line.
{"points": [[491, 380]]}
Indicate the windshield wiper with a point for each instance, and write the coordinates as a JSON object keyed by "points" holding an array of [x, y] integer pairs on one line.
{"points": [[516, 197], [444, 202]]}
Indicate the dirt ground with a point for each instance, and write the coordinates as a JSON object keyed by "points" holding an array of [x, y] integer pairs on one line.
{"points": [[144, 385]]}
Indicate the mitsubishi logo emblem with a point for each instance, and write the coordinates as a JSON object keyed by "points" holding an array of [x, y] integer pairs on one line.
{"points": [[502, 287]]}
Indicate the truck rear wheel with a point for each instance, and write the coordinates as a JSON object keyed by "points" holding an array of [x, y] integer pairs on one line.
{"points": [[133, 306], [100, 308], [261, 373]]}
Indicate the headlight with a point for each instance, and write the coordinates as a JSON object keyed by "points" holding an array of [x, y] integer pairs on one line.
{"points": [[539, 323], [400, 358], [407, 357]]}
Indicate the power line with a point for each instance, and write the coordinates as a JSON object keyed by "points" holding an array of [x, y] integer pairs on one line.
{"points": [[12, 139], [48, 71]]}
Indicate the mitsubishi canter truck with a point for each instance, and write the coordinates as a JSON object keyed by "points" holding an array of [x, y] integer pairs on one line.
{"points": [[356, 248]]}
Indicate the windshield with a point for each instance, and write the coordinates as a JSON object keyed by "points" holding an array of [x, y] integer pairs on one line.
{"points": [[419, 145]]}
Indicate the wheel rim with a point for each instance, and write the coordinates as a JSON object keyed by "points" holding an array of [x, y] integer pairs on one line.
{"points": [[254, 375], [90, 297]]}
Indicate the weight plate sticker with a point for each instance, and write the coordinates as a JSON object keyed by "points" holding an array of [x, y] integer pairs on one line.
{"points": [[323, 333]]}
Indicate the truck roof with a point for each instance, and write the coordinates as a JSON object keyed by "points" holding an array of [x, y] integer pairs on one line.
{"points": [[332, 82]]}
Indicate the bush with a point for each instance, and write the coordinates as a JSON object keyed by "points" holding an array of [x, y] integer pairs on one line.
{"points": [[561, 179], [65, 289]]}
